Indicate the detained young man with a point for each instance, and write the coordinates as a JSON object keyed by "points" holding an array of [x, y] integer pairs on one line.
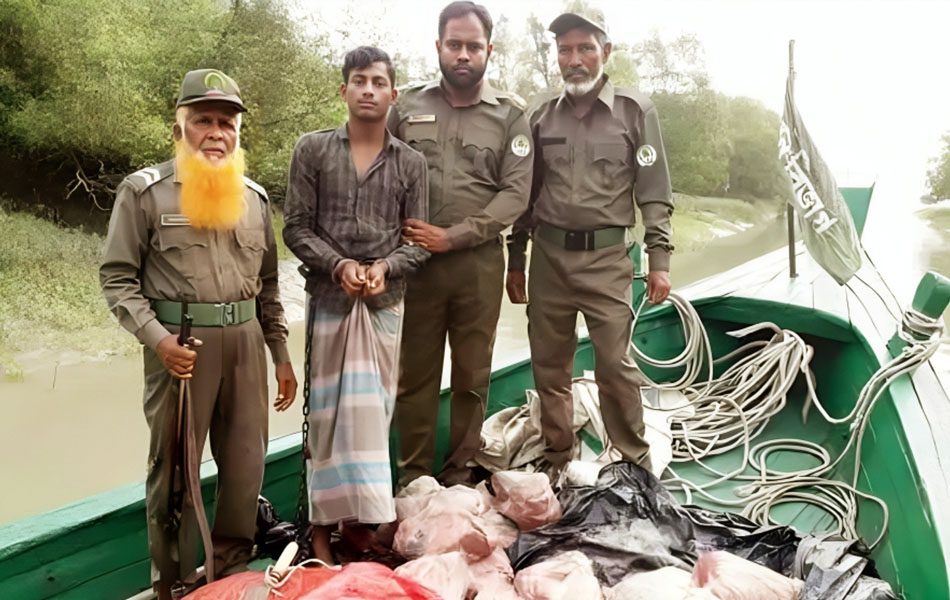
{"points": [[350, 190]]}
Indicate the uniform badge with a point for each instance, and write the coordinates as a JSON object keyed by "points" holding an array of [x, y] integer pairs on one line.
{"points": [[420, 119], [521, 145], [646, 155], [174, 220]]}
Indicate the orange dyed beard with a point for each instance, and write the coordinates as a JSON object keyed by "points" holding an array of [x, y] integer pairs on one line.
{"points": [[212, 194]]}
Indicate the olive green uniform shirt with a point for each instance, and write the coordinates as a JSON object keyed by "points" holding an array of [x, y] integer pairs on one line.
{"points": [[480, 159], [152, 253], [590, 171]]}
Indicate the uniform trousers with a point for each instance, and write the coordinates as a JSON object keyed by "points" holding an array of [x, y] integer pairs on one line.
{"points": [[229, 400], [455, 295], [596, 283]]}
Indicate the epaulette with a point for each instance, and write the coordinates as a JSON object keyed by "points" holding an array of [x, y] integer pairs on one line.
{"points": [[412, 86], [513, 98], [256, 187], [540, 99], [145, 178], [642, 100]]}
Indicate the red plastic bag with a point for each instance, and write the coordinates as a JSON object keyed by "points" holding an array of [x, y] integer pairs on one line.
{"points": [[369, 581], [250, 585], [355, 581]]}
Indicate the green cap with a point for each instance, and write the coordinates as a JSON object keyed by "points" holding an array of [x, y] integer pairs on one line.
{"points": [[594, 19], [207, 85]]}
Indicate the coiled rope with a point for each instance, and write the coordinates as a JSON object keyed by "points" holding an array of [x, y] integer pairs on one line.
{"points": [[728, 412]]}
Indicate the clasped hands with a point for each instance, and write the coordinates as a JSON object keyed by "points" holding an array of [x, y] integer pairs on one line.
{"points": [[363, 280]]}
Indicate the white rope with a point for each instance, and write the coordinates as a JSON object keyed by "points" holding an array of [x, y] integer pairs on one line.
{"points": [[730, 411], [696, 349], [274, 579]]}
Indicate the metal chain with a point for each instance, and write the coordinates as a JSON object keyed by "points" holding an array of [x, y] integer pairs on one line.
{"points": [[303, 497]]}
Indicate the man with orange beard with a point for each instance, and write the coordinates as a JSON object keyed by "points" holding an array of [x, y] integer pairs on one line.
{"points": [[193, 236]]}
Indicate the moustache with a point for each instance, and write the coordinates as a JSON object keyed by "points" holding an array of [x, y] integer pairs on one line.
{"points": [[577, 71]]}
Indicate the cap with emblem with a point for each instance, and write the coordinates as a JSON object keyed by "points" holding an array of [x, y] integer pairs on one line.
{"points": [[207, 85], [593, 19]]}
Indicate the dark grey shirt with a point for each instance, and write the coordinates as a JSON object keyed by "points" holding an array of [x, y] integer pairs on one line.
{"points": [[331, 214]]}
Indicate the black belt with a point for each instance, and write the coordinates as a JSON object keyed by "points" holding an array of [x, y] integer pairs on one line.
{"points": [[570, 239]]}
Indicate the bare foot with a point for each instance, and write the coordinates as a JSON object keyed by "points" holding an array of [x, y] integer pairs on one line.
{"points": [[320, 544]]}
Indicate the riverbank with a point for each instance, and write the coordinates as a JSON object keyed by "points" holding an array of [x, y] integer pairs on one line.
{"points": [[52, 311], [51, 305]]}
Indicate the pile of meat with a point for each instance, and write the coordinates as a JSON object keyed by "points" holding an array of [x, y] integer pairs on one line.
{"points": [[457, 537]]}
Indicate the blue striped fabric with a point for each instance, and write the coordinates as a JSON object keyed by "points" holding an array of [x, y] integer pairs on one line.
{"points": [[353, 375]]}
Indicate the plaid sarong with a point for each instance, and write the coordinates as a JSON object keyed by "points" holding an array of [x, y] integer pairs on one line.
{"points": [[354, 367]]}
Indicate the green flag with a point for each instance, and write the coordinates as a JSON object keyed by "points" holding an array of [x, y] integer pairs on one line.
{"points": [[823, 216]]}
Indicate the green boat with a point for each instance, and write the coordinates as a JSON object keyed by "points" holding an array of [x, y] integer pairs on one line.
{"points": [[97, 548]]}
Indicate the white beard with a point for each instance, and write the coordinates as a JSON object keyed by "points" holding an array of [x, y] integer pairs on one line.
{"points": [[584, 87]]}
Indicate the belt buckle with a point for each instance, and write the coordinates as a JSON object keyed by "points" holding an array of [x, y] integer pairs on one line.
{"points": [[579, 240], [227, 313]]}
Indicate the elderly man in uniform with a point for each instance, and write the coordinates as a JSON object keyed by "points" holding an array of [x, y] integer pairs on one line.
{"points": [[193, 235], [599, 150], [477, 143]]}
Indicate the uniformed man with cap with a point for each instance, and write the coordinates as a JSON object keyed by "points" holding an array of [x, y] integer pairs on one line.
{"points": [[599, 151], [477, 144], [193, 235]]}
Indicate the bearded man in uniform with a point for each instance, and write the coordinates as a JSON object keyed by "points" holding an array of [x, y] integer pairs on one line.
{"points": [[193, 236]]}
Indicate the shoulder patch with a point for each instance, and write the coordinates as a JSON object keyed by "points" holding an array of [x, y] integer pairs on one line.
{"points": [[256, 187], [145, 178], [637, 96]]}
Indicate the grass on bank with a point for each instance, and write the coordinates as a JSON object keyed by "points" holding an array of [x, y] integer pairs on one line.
{"points": [[698, 220], [49, 293]]}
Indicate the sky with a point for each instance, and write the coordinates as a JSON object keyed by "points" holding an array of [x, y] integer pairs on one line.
{"points": [[871, 85]]}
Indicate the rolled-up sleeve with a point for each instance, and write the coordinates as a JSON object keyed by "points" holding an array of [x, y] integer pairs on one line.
{"points": [[120, 272], [653, 192]]}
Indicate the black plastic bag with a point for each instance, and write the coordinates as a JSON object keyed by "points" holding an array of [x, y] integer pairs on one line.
{"points": [[272, 534], [629, 523]]}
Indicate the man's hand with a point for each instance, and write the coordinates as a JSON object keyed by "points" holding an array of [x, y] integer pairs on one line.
{"points": [[430, 237], [178, 360], [376, 278], [353, 278], [286, 386], [516, 286], [658, 286]]}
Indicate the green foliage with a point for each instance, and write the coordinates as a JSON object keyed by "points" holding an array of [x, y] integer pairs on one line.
{"points": [[697, 146], [96, 79], [291, 88], [108, 87], [49, 292], [938, 177], [754, 168]]}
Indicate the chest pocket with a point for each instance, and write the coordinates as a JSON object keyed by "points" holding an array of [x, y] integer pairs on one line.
{"points": [[423, 137], [557, 157], [481, 155], [611, 163], [185, 249], [250, 251]]}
